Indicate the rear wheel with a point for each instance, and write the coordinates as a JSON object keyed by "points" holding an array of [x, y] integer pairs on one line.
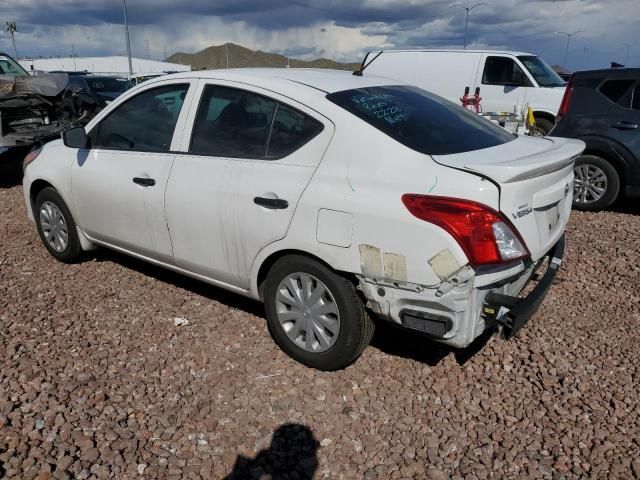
{"points": [[56, 226], [543, 127], [314, 314], [596, 184]]}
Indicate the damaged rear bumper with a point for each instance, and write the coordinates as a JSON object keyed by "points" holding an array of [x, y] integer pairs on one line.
{"points": [[464, 312], [511, 313]]}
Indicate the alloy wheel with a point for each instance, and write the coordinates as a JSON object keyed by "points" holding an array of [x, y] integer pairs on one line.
{"points": [[590, 184]]}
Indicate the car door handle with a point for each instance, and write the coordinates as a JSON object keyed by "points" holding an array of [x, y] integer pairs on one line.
{"points": [[144, 181], [625, 125], [273, 203]]}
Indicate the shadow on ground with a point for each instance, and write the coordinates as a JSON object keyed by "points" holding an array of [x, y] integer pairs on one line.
{"points": [[388, 338], [292, 454], [198, 287], [10, 174], [400, 342]]}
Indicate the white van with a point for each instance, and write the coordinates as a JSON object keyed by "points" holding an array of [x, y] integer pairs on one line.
{"points": [[507, 80]]}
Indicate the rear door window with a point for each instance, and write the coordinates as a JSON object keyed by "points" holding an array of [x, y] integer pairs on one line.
{"points": [[635, 98], [291, 130], [237, 123], [614, 90], [420, 120]]}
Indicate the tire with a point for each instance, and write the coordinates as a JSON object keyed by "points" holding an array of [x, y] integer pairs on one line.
{"points": [[584, 198], [47, 201], [354, 330], [543, 126]]}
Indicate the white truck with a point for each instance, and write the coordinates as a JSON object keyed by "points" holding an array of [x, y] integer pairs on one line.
{"points": [[508, 81]]}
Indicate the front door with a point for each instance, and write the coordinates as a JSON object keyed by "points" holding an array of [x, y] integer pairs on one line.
{"points": [[504, 85], [235, 187], [118, 183]]}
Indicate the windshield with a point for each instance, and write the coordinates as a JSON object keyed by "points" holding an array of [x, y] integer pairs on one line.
{"points": [[543, 73], [108, 84], [420, 120], [8, 66]]}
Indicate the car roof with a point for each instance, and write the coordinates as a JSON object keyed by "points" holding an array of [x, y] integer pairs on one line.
{"points": [[453, 50], [321, 80], [623, 72]]}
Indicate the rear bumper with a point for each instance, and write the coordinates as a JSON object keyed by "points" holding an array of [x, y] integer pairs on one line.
{"points": [[511, 313]]}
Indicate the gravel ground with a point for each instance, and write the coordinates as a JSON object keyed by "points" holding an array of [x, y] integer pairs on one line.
{"points": [[97, 381]]}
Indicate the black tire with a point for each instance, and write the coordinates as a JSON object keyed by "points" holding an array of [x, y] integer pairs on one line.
{"points": [[73, 250], [544, 126], [356, 328], [612, 185]]}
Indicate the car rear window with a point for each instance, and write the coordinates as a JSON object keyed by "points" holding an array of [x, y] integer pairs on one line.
{"points": [[420, 120]]}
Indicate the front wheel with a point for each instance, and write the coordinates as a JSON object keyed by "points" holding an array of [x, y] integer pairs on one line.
{"points": [[56, 226], [596, 184], [314, 314]]}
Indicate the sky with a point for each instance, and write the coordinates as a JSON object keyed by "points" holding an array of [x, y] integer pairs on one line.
{"points": [[339, 29]]}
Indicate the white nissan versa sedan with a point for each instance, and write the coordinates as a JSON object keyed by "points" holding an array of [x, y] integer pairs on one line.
{"points": [[326, 195]]}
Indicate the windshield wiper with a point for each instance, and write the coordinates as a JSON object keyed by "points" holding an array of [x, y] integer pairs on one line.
{"points": [[364, 64]]}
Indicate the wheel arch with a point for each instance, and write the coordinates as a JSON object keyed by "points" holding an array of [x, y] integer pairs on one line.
{"points": [[273, 257], [613, 153], [36, 187], [545, 114]]}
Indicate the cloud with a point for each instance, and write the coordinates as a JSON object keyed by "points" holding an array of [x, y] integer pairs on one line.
{"points": [[341, 29]]}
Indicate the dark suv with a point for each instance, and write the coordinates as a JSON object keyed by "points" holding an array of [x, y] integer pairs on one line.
{"points": [[602, 108]]}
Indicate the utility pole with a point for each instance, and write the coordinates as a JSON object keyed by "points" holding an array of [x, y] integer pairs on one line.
{"points": [[11, 28], [73, 53], [566, 50], [626, 57], [146, 42], [126, 31], [226, 46], [466, 21]]}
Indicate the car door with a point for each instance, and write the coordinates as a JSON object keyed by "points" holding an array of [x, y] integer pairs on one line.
{"points": [[118, 183], [623, 121], [503, 84], [247, 159]]}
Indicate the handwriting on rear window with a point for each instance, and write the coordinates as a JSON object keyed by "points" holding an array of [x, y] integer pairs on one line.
{"points": [[378, 106]]}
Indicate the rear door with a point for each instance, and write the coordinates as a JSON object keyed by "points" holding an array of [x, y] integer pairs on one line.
{"points": [[245, 160], [503, 84], [623, 121]]}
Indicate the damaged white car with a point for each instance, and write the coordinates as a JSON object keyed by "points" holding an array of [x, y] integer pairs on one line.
{"points": [[328, 196]]}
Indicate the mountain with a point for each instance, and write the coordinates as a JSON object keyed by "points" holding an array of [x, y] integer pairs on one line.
{"points": [[239, 57]]}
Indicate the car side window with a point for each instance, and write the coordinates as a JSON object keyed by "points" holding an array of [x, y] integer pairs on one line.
{"points": [[503, 71], [145, 122], [232, 123], [614, 90], [635, 98], [291, 130]]}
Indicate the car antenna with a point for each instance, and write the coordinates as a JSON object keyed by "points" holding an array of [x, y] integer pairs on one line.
{"points": [[364, 64]]}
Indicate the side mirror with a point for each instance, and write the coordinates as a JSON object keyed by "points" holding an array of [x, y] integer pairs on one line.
{"points": [[75, 138]]}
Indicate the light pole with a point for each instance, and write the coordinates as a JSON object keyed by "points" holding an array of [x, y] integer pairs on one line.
{"points": [[11, 28], [126, 31], [626, 57], [466, 21], [566, 50]]}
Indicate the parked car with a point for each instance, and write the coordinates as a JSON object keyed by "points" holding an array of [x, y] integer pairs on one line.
{"points": [[137, 79], [325, 195], [602, 108], [86, 95], [507, 80], [30, 109]]}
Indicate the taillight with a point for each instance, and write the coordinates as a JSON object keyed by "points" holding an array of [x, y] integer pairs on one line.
{"points": [[485, 236], [566, 99]]}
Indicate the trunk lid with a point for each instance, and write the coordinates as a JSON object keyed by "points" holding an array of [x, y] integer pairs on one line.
{"points": [[535, 177]]}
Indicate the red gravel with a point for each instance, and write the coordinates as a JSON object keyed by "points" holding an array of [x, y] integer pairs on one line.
{"points": [[96, 380]]}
